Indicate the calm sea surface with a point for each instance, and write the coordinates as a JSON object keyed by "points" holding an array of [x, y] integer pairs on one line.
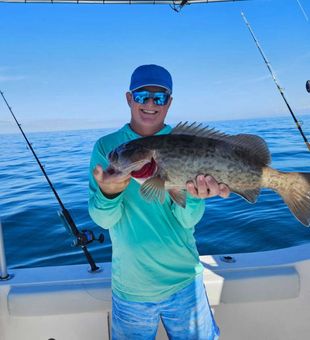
{"points": [[35, 236]]}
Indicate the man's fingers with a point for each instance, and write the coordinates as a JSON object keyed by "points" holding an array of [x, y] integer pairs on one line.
{"points": [[202, 186], [119, 177], [206, 187], [98, 173], [101, 175], [212, 185], [191, 189], [98, 169], [224, 190], [110, 183]]}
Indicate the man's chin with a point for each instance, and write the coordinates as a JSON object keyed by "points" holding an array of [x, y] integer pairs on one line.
{"points": [[150, 119]]}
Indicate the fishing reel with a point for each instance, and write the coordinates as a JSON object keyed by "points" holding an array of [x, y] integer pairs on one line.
{"points": [[85, 237], [81, 238]]}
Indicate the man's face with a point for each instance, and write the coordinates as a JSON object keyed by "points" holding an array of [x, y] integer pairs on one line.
{"points": [[149, 117]]}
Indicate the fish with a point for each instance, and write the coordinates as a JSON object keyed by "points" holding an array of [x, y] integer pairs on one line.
{"points": [[165, 163]]}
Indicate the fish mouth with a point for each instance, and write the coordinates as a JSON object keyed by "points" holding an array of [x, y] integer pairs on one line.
{"points": [[114, 169], [147, 170]]}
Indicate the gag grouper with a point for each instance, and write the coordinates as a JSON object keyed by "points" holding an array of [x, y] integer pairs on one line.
{"points": [[168, 162]]}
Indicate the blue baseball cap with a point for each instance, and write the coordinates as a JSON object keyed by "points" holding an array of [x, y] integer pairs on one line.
{"points": [[150, 75]]}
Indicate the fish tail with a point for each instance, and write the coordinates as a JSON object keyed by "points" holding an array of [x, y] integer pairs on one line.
{"points": [[294, 188]]}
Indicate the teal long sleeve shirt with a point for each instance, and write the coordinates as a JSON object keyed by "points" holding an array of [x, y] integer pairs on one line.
{"points": [[154, 252]]}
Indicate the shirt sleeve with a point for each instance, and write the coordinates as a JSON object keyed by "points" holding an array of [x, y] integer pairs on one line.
{"points": [[105, 212], [189, 216]]}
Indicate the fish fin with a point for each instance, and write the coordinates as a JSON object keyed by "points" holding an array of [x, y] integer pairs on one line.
{"points": [[254, 145], [153, 188], [251, 144], [249, 195], [294, 188], [194, 129], [178, 196]]}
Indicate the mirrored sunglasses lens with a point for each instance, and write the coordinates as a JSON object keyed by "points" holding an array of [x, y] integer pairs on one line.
{"points": [[141, 97], [161, 98]]}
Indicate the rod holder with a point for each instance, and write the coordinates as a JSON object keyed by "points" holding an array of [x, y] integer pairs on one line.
{"points": [[3, 268]]}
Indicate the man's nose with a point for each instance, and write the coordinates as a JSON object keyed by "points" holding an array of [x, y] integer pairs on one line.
{"points": [[150, 102]]}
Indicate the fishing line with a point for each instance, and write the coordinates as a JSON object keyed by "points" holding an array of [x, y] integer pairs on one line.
{"points": [[303, 11], [85, 236], [275, 81]]}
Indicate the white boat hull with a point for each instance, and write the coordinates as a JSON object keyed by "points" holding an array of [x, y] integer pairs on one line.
{"points": [[260, 296]]}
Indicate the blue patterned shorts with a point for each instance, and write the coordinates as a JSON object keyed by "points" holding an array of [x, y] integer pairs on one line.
{"points": [[186, 315]]}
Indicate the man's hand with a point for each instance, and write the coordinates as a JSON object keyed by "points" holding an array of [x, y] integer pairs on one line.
{"points": [[206, 187], [110, 185]]}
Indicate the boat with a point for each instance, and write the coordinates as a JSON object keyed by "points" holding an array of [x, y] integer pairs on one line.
{"points": [[254, 296]]}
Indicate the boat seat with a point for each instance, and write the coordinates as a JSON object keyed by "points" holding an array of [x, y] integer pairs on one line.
{"points": [[59, 298], [260, 284]]}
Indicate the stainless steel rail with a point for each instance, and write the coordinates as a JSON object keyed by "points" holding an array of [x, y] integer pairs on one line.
{"points": [[3, 268]]}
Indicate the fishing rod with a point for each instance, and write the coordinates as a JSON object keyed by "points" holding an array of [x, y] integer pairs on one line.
{"points": [[85, 236], [275, 81]]}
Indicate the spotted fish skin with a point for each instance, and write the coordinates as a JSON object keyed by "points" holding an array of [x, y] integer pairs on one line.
{"points": [[181, 158], [240, 161]]}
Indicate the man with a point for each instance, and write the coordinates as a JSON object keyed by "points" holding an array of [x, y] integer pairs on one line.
{"points": [[156, 271]]}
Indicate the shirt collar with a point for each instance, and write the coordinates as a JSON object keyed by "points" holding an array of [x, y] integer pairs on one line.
{"points": [[126, 128]]}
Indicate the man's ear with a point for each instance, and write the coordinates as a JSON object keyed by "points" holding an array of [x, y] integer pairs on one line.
{"points": [[129, 98]]}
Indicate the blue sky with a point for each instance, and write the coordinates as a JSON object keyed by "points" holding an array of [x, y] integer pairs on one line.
{"points": [[68, 66]]}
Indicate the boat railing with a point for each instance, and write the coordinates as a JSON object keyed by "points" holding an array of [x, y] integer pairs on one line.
{"points": [[4, 275]]}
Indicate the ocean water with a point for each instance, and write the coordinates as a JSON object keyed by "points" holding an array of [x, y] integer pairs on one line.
{"points": [[35, 236]]}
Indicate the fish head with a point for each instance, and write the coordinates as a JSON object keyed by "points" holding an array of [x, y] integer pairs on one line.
{"points": [[132, 158]]}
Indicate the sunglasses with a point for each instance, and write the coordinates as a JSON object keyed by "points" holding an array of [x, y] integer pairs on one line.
{"points": [[160, 98]]}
